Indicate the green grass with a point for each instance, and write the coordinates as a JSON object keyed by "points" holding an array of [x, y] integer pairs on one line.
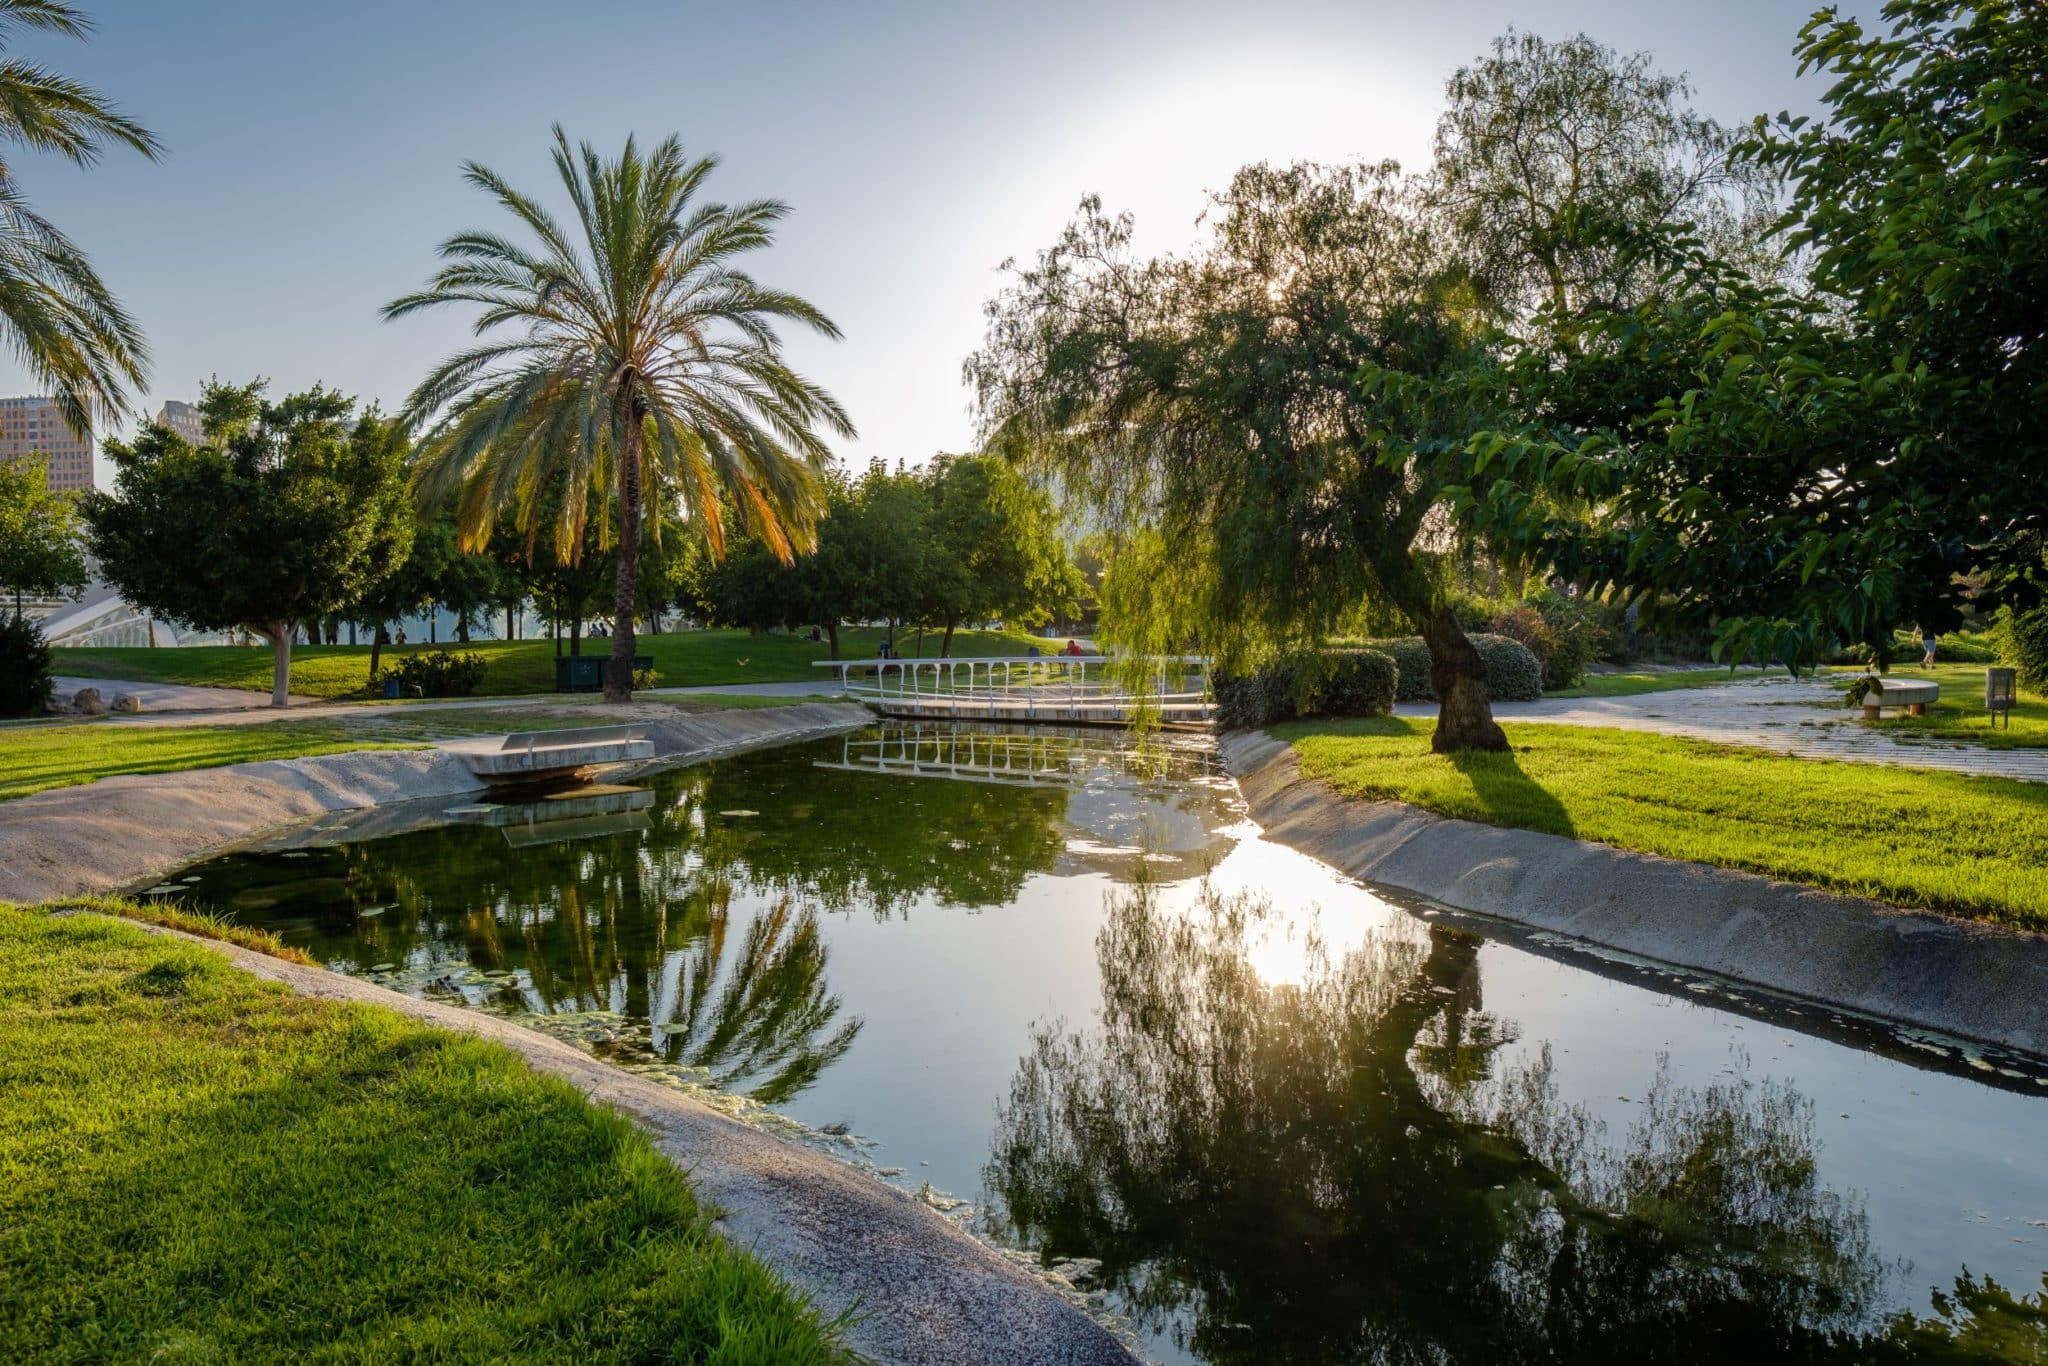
{"points": [[36, 758], [1959, 714], [686, 659], [197, 1165], [1628, 684], [1912, 837]]}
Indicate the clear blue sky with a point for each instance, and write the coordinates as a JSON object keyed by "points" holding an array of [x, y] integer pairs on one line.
{"points": [[314, 148]]}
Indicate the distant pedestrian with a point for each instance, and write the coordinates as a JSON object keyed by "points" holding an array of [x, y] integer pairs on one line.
{"points": [[401, 635], [1926, 647]]}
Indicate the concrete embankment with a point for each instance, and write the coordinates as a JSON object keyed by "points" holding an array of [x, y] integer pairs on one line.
{"points": [[120, 832], [1970, 980]]}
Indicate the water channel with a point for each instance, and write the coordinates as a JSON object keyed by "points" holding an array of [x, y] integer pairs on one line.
{"points": [[1056, 983]]}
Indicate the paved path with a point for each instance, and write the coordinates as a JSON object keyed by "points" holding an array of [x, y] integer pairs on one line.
{"points": [[1804, 717], [181, 697]]}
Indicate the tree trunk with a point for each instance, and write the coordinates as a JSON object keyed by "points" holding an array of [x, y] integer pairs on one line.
{"points": [[511, 623], [280, 633], [618, 681], [1464, 717], [832, 634], [946, 644], [462, 628], [376, 650]]}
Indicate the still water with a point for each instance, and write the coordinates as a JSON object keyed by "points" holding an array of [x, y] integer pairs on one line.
{"points": [[1056, 984]]}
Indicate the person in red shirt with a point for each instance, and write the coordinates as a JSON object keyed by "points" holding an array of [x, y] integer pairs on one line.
{"points": [[1073, 648]]}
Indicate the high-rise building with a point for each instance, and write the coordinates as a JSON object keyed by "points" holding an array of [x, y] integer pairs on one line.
{"points": [[183, 419], [34, 426]]}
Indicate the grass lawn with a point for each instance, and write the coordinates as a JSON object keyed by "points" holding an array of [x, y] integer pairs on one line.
{"points": [[683, 659], [1960, 714], [1911, 837], [34, 758], [1627, 684], [195, 1164]]}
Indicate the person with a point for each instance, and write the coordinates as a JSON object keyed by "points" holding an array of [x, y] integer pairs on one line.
{"points": [[401, 635], [1073, 649], [1926, 647]]}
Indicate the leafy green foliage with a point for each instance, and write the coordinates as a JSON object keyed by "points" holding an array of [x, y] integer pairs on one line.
{"points": [[25, 675], [436, 673], [40, 550], [1334, 683], [1565, 635], [290, 512], [644, 369], [2023, 643], [1512, 671]]}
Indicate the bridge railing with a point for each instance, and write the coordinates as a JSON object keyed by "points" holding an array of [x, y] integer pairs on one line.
{"points": [[1047, 687]]}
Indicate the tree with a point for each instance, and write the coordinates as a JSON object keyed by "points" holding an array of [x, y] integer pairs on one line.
{"points": [[40, 552], [1281, 413], [57, 315], [645, 369], [996, 550], [288, 512]]}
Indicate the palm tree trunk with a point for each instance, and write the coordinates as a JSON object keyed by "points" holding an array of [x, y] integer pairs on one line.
{"points": [[618, 680]]}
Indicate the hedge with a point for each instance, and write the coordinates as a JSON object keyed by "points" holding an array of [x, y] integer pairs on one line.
{"points": [[1351, 683], [1512, 672]]}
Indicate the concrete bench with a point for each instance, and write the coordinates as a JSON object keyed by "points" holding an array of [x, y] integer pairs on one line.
{"points": [[1912, 694], [549, 753]]}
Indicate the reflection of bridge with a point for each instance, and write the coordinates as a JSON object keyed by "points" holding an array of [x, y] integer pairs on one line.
{"points": [[1076, 689], [1022, 757]]}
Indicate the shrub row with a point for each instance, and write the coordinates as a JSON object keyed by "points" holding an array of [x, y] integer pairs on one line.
{"points": [[1340, 683], [435, 673], [1513, 673]]}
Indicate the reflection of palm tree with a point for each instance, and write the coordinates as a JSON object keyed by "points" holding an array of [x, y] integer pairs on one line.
{"points": [[1341, 1170]]}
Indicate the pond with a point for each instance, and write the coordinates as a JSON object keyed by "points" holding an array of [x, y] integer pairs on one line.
{"points": [[1055, 983]]}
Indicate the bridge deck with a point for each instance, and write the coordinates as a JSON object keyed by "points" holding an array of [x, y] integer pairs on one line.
{"points": [[1056, 689]]}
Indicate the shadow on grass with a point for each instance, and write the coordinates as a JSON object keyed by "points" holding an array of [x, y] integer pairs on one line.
{"points": [[1508, 796]]}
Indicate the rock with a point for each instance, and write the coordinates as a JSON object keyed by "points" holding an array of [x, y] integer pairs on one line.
{"points": [[127, 701], [86, 702]]}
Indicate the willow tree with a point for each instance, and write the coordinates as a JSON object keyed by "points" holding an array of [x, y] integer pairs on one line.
{"points": [[638, 366], [1273, 423], [58, 317]]}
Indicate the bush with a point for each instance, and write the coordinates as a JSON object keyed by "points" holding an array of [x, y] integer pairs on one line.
{"points": [[2022, 639], [25, 681], [436, 673], [1513, 673], [1346, 683]]}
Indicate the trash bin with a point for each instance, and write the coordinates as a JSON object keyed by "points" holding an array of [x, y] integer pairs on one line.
{"points": [[391, 689]]}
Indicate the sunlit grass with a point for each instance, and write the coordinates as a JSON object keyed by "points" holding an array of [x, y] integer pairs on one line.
{"points": [[686, 659], [1626, 684], [37, 758], [1959, 713], [1909, 837], [197, 1165]]}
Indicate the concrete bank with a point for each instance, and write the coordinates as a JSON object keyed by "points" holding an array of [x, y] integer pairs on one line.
{"points": [[121, 832], [922, 1290], [1974, 981]]}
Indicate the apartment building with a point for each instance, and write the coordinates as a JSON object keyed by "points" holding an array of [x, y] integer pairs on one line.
{"points": [[34, 426], [183, 419]]}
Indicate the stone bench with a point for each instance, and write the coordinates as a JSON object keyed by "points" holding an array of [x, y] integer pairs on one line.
{"points": [[1912, 694], [552, 753]]}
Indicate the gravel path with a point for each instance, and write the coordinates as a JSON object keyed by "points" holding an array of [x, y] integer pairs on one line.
{"points": [[176, 697], [1803, 717]]}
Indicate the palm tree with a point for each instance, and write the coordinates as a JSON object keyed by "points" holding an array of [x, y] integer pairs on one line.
{"points": [[642, 364], [56, 314]]}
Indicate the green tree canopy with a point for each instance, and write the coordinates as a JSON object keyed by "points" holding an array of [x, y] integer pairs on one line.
{"points": [[995, 548], [286, 513], [640, 366], [41, 554]]}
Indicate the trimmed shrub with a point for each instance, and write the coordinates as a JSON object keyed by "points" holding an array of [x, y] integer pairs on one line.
{"points": [[2023, 643], [436, 673], [25, 681], [1351, 683], [1513, 673]]}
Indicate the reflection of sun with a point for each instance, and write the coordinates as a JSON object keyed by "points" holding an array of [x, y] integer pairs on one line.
{"points": [[1284, 951]]}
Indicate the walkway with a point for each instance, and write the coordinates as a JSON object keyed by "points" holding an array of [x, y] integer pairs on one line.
{"points": [[178, 697], [1802, 717]]}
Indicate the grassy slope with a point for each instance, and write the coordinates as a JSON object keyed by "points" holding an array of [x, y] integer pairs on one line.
{"points": [[1960, 714], [688, 659], [198, 1165], [1968, 846], [34, 758]]}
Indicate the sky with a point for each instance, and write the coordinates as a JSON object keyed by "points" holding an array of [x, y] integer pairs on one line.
{"points": [[315, 150]]}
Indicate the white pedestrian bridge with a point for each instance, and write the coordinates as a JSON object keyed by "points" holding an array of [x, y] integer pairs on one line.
{"points": [[1102, 690]]}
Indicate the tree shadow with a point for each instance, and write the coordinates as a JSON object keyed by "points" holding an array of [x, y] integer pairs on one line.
{"points": [[1509, 796]]}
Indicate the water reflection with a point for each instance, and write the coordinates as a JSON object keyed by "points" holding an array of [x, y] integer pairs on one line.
{"points": [[1341, 1168]]}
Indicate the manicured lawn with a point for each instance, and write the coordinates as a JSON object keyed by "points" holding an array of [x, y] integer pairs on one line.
{"points": [[197, 1165], [1629, 684], [1911, 837], [1960, 714], [685, 659], [34, 758]]}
